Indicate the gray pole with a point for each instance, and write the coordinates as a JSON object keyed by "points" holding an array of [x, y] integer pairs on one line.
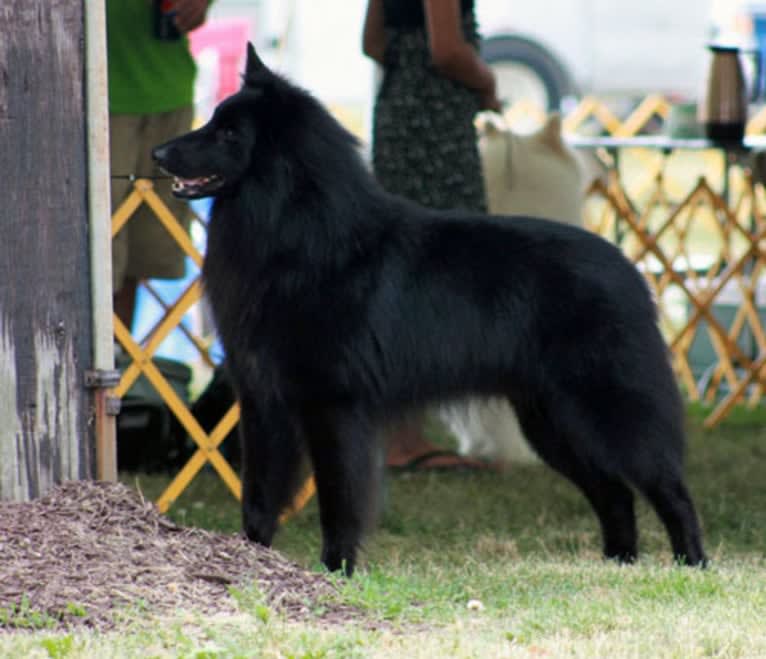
{"points": [[46, 330]]}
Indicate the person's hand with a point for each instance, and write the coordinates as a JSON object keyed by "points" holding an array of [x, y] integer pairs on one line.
{"points": [[491, 102], [488, 98], [190, 14]]}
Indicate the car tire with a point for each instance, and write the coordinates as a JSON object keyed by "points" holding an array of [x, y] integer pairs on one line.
{"points": [[525, 69]]}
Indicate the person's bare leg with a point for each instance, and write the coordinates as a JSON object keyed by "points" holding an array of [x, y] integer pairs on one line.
{"points": [[409, 447]]}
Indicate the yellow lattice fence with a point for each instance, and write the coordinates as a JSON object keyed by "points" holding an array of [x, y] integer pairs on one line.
{"points": [[590, 108], [693, 224], [695, 251]]}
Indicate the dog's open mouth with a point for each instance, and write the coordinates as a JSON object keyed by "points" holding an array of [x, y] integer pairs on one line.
{"points": [[192, 188]]}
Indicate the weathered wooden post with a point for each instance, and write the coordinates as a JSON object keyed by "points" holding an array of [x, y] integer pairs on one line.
{"points": [[49, 340]]}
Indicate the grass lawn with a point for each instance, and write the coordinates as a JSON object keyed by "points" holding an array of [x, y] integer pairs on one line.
{"points": [[494, 565]]}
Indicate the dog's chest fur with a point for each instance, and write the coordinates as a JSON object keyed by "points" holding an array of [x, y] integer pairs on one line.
{"points": [[304, 323]]}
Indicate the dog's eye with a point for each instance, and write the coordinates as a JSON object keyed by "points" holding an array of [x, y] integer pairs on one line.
{"points": [[227, 134]]}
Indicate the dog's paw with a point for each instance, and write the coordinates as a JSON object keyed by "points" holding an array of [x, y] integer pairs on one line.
{"points": [[339, 558], [259, 528]]}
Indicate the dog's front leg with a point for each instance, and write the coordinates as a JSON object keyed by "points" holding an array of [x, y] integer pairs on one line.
{"points": [[272, 454], [343, 451]]}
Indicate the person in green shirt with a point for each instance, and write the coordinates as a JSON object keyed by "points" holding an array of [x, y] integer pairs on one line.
{"points": [[151, 99]]}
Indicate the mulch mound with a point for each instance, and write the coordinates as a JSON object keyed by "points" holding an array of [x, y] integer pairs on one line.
{"points": [[90, 550]]}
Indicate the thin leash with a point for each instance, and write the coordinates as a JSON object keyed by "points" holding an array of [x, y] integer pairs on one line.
{"points": [[134, 177]]}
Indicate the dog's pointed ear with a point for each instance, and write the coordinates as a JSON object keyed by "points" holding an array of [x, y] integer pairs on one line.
{"points": [[254, 66]]}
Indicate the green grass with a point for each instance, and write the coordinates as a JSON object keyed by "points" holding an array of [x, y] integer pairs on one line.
{"points": [[522, 547]]}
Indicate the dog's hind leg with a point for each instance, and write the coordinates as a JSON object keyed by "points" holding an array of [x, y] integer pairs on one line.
{"points": [[611, 498], [272, 455], [674, 506], [613, 502], [342, 446]]}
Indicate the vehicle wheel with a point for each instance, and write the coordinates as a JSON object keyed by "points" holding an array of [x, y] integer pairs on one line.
{"points": [[526, 70]]}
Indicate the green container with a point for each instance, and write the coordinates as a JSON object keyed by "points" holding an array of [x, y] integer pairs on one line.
{"points": [[149, 437]]}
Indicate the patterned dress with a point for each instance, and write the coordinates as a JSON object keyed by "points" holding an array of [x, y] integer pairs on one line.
{"points": [[424, 140]]}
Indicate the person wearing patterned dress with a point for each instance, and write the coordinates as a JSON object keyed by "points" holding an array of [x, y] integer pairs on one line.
{"points": [[424, 141]]}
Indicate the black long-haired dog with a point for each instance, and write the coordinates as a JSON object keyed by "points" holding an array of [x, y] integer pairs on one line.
{"points": [[341, 307]]}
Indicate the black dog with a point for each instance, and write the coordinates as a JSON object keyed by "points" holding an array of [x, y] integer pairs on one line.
{"points": [[340, 307]]}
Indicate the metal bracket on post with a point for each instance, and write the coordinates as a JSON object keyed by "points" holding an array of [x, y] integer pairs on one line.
{"points": [[106, 407], [102, 379]]}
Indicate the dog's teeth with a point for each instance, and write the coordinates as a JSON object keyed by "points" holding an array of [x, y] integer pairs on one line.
{"points": [[180, 184]]}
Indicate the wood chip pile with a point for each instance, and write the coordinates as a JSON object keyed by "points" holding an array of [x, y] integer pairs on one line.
{"points": [[89, 552]]}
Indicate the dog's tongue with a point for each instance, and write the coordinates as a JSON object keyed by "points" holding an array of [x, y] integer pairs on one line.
{"points": [[192, 181]]}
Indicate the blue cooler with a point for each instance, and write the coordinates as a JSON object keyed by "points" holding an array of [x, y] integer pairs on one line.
{"points": [[757, 12]]}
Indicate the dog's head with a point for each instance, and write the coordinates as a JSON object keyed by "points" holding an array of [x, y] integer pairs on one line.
{"points": [[215, 157]]}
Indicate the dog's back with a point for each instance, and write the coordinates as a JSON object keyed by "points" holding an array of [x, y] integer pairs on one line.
{"points": [[515, 298]]}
